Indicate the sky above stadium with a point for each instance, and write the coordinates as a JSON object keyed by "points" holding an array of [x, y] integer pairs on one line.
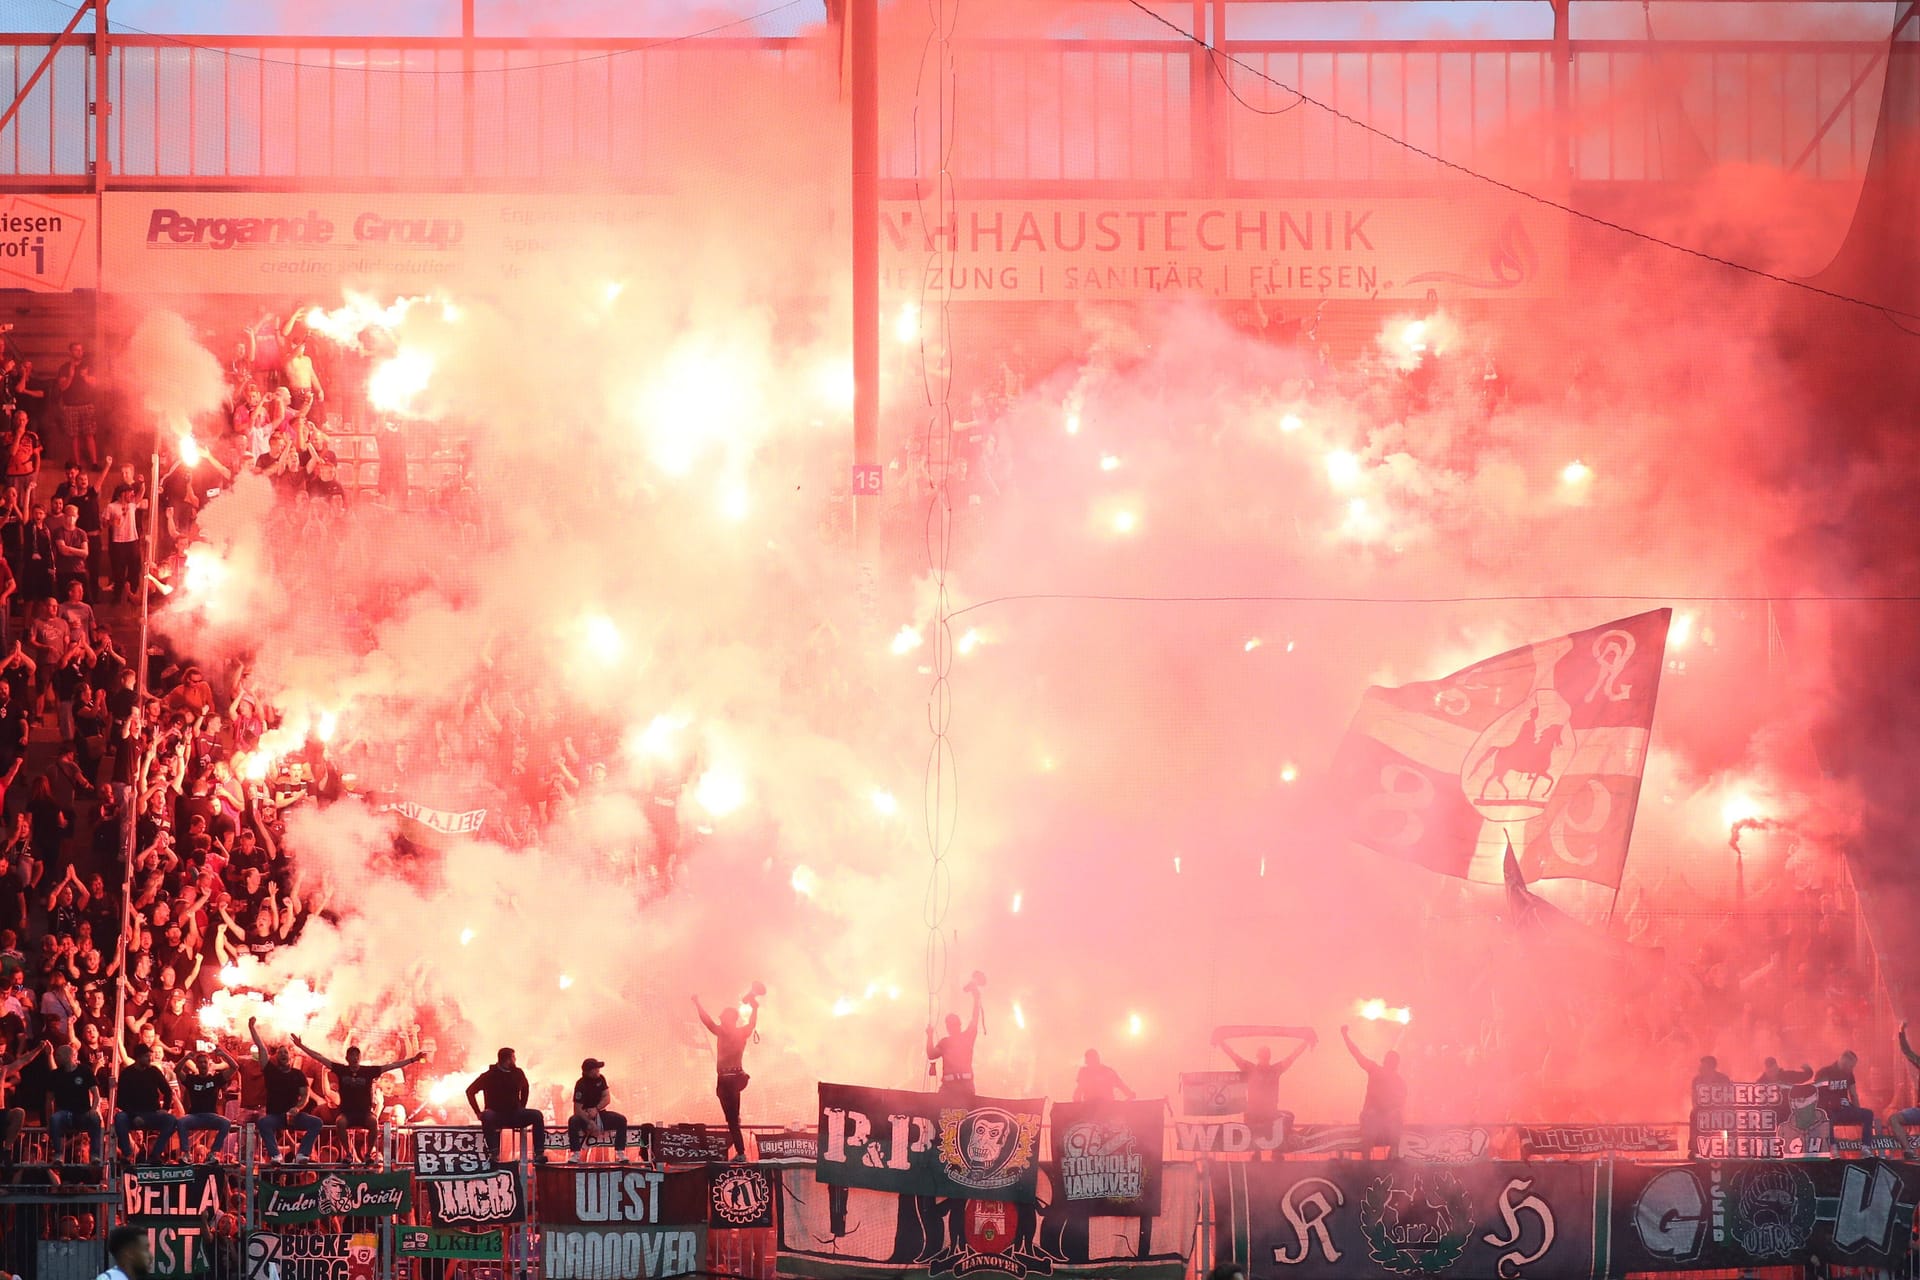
{"points": [[1409, 20]]}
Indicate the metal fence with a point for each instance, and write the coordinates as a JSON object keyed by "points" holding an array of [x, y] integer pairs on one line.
{"points": [[232, 111]]}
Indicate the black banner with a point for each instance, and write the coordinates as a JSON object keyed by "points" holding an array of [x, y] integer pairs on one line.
{"points": [[1697, 1217], [929, 1144], [796, 1146], [1106, 1155], [688, 1144], [591, 1195], [1557, 1140], [488, 1199], [445, 1151], [834, 1233], [740, 1197], [1361, 1220]]}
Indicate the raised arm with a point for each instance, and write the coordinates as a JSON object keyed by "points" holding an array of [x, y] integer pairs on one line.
{"points": [[973, 1022], [1366, 1063], [259, 1045], [1236, 1059], [382, 1068], [321, 1058], [705, 1020], [45, 1046]]}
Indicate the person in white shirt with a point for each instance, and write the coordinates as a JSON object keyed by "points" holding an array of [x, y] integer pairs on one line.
{"points": [[131, 1254], [123, 539]]}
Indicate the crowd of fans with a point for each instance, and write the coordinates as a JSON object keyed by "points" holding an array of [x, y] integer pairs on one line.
{"points": [[210, 889]]}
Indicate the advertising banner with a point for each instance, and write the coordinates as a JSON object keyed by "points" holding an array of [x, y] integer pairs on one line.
{"points": [[1466, 243], [47, 243], [929, 1144], [1107, 1154], [1701, 1217], [1469, 242], [858, 1234], [1366, 1220]]}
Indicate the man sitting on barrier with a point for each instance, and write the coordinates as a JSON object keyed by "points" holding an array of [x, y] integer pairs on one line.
{"points": [[1903, 1121], [354, 1080], [144, 1100], [1839, 1097], [287, 1096], [202, 1086], [504, 1088], [591, 1094], [73, 1100]]}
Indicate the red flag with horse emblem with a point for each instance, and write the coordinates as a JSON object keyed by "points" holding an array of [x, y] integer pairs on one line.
{"points": [[1544, 745]]}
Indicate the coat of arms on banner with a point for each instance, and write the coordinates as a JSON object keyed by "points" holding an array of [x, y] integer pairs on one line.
{"points": [[1418, 1229], [988, 1147]]}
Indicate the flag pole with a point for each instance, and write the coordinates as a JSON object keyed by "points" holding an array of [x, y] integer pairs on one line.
{"points": [[1633, 810]]}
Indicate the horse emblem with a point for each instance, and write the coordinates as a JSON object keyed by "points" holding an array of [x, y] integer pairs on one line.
{"points": [[1514, 765]]}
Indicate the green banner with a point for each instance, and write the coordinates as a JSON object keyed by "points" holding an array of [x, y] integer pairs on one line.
{"points": [[350, 1194], [442, 1242]]}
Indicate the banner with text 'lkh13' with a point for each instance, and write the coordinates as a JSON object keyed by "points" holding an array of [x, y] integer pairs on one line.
{"points": [[1544, 745]]}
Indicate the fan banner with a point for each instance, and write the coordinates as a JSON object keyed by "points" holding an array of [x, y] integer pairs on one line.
{"points": [[1367, 1220], [1107, 1154], [856, 1234], [1741, 1216], [929, 1144], [1543, 746], [590, 1195]]}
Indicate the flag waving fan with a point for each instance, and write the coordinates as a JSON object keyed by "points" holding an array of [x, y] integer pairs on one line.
{"points": [[1544, 745]]}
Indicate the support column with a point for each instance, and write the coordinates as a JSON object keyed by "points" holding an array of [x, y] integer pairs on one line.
{"points": [[466, 93], [864, 81], [1561, 169], [102, 116]]}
